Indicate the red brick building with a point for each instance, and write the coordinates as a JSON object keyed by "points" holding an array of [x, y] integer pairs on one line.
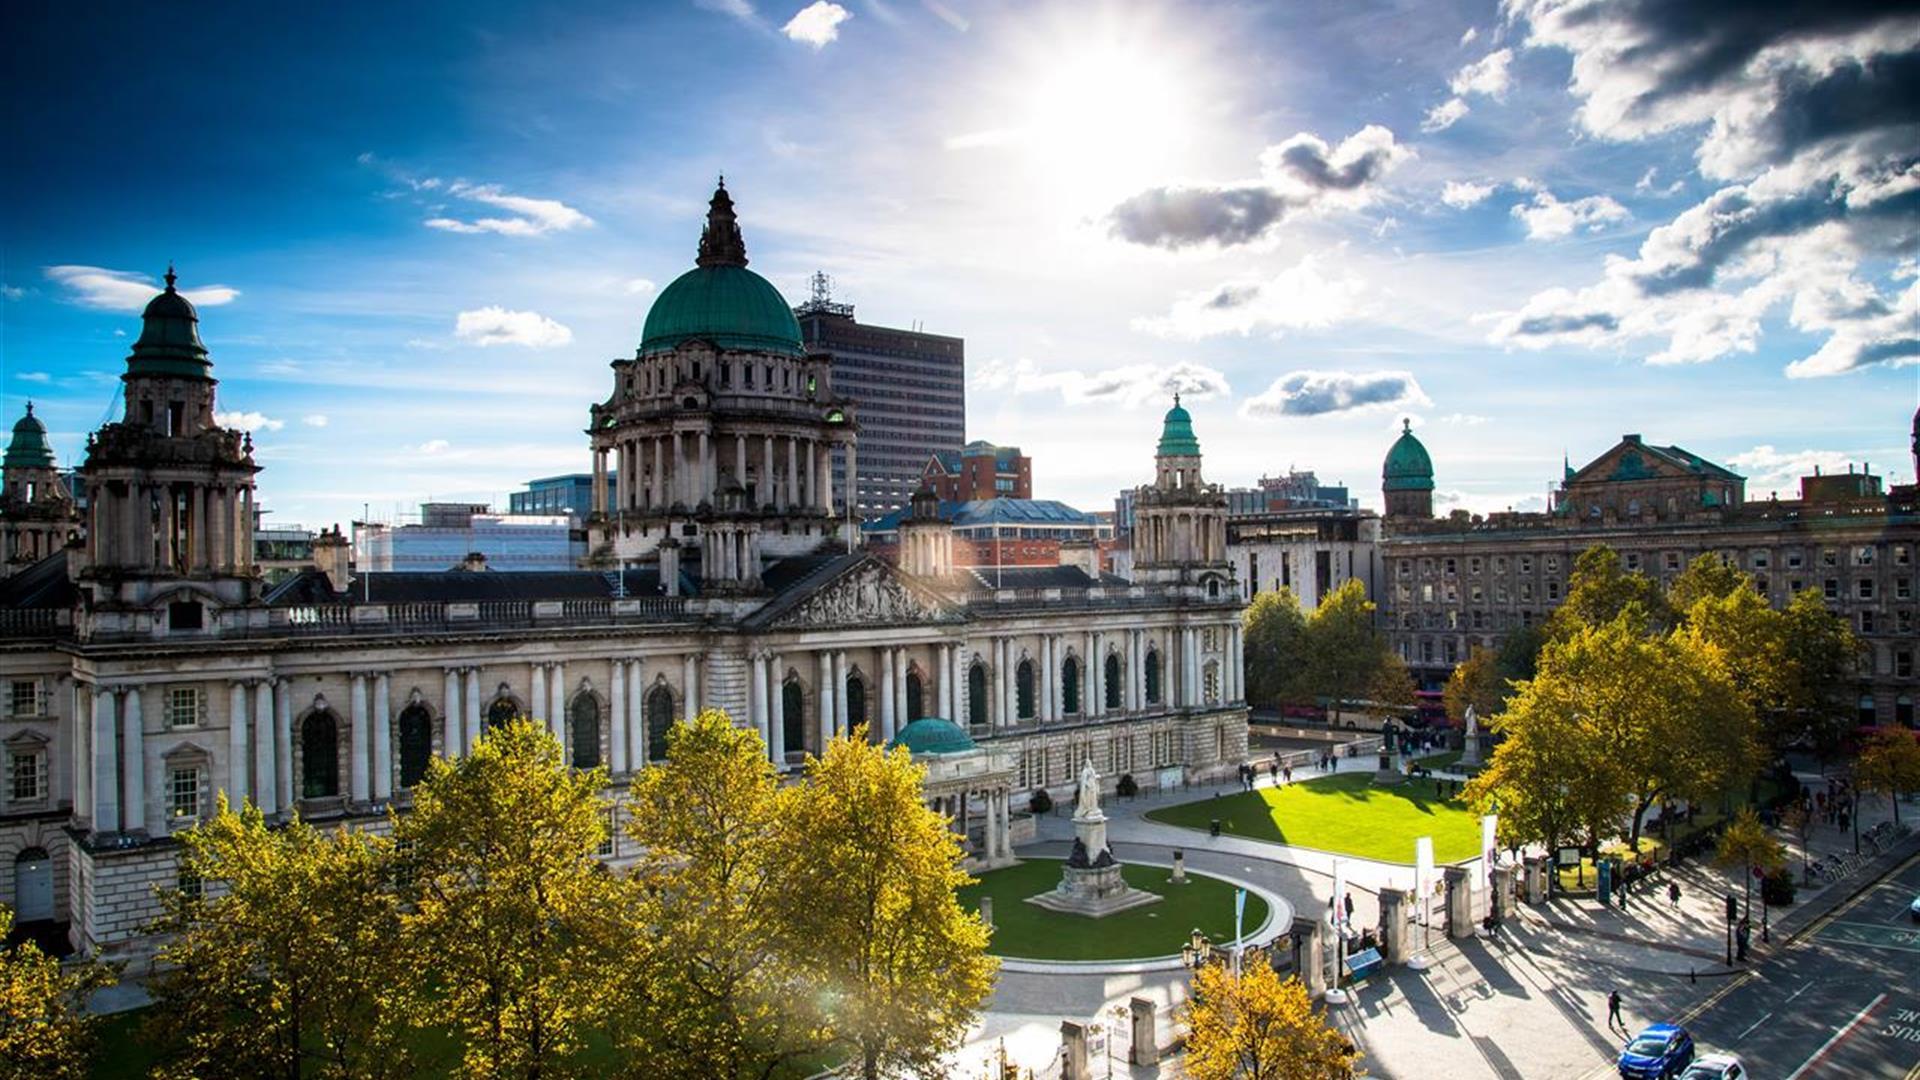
{"points": [[980, 470]]}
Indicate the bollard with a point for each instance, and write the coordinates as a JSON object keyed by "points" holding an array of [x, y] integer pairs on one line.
{"points": [[1179, 868], [986, 911], [1393, 925]]}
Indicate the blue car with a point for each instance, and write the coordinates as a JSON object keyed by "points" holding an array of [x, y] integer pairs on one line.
{"points": [[1657, 1053]]}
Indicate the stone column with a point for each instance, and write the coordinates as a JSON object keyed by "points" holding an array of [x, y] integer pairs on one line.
{"points": [[1073, 1040], [1136, 670], [283, 748], [1309, 955], [777, 714], [997, 708], [557, 710], [757, 705], [690, 686], [1096, 675], [80, 751], [637, 718], [793, 472], [133, 762], [1193, 666], [617, 740], [472, 703], [106, 761], [265, 752], [382, 738], [239, 766], [358, 787], [1090, 677], [1459, 894], [450, 714], [705, 491], [826, 700], [841, 721], [943, 663], [766, 493], [900, 710], [886, 696], [1143, 1047], [537, 697], [1393, 925]]}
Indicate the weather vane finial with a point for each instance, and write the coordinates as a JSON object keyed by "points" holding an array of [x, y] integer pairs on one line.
{"points": [[1176, 399], [170, 275]]}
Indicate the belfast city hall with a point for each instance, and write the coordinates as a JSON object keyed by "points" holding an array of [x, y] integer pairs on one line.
{"points": [[148, 667]]}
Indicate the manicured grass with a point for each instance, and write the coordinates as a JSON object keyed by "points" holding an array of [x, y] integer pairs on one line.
{"points": [[1343, 813], [1439, 762], [1031, 932]]}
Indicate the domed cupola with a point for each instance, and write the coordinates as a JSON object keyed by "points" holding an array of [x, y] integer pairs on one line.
{"points": [[29, 448], [1407, 476], [720, 300], [169, 342], [1176, 433]]}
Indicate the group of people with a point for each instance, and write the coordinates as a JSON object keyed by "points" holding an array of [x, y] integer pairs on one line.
{"points": [[1278, 771]]}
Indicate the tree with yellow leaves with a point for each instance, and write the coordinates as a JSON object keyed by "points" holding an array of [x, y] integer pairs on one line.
{"points": [[511, 915], [45, 1033], [1746, 845], [871, 873], [1256, 1026], [1889, 764]]}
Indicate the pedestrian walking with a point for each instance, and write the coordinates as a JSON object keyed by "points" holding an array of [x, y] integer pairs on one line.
{"points": [[1349, 906], [1613, 1011], [1274, 773], [1673, 894]]}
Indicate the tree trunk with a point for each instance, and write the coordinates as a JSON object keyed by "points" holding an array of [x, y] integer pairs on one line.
{"points": [[869, 1062]]}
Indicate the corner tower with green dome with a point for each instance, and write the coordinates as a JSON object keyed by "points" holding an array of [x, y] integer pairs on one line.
{"points": [[37, 515], [1406, 478], [1180, 520], [715, 452]]}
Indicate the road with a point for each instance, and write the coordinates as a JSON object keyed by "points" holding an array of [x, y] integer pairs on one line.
{"points": [[1843, 1000]]}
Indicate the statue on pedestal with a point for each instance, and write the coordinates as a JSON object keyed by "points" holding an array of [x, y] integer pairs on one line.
{"points": [[1470, 744]]}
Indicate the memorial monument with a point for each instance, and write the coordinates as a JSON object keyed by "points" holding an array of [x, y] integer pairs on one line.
{"points": [[1090, 883], [1470, 744]]}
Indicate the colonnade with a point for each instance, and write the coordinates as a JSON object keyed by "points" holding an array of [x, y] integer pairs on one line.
{"points": [[658, 470], [995, 805], [139, 523]]}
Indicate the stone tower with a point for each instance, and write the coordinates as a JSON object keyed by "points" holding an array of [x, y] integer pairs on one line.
{"points": [[37, 515], [169, 491], [1406, 479], [926, 539], [1180, 520]]}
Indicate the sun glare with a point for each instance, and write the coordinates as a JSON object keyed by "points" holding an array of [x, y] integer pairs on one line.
{"points": [[1107, 120]]}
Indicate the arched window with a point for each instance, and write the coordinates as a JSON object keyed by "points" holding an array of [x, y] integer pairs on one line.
{"points": [[319, 755], [1113, 681], [916, 698], [585, 718], [659, 722], [856, 702], [1903, 710], [793, 719], [1153, 676], [501, 712], [1869, 714], [1210, 682], [977, 695], [1070, 686], [416, 744], [1023, 690]]}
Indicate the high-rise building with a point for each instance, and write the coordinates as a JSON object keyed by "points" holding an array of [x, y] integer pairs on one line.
{"points": [[980, 470], [910, 389], [570, 494]]}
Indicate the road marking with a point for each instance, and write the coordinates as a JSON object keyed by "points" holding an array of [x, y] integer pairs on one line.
{"points": [[1837, 1036], [1753, 1025], [1736, 983], [1803, 989]]}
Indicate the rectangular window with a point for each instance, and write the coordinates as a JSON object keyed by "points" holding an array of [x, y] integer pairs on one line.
{"points": [[609, 846], [1453, 593], [27, 776], [1867, 621], [1795, 560], [1863, 556], [1759, 560], [1479, 620], [1903, 663], [1673, 560], [188, 883], [1553, 590], [1500, 594], [1863, 588], [1526, 590], [24, 698], [1903, 588], [1452, 566], [1405, 567], [1500, 564], [1426, 592], [1633, 560], [184, 707], [1478, 593], [183, 794], [1829, 557], [1473, 566], [1832, 588], [1902, 555], [1403, 593]]}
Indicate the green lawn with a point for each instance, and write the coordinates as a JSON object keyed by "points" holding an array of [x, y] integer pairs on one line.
{"points": [[1344, 814], [1031, 932], [1439, 762]]}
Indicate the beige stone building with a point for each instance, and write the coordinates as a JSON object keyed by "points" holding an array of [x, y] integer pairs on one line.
{"points": [[147, 667]]}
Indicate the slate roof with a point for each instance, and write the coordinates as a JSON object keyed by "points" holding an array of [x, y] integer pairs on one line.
{"points": [[1041, 577], [45, 584], [466, 586], [978, 512]]}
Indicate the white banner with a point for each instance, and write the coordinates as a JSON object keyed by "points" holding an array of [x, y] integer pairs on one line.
{"points": [[1487, 848], [1423, 871], [1339, 893]]}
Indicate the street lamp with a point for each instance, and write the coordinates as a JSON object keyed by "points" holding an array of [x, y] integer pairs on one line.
{"points": [[1197, 952]]}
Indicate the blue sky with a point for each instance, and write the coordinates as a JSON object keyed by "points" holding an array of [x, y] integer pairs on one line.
{"points": [[419, 232]]}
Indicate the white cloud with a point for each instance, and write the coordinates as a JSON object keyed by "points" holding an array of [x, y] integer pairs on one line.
{"points": [[1470, 36], [1321, 393], [1771, 470], [497, 326], [639, 286], [531, 217], [1445, 115], [248, 421], [1461, 194], [1487, 76], [1464, 419], [314, 419], [433, 447], [1547, 218], [33, 376], [1303, 296], [125, 290], [817, 24], [739, 9], [1128, 387], [12, 292]]}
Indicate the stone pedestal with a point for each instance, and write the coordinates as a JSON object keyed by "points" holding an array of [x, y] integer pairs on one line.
{"points": [[1502, 899], [1460, 924], [1389, 774], [986, 911], [1309, 955], [1179, 868], [1090, 883], [1393, 925], [1144, 1047], [1470, 741], [1073, 1041], [1535, 878]]}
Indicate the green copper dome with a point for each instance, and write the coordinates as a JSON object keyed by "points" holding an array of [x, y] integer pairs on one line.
{"points": [[1176, 436], [169, 344], [720, 300], [29, 448], [932, 735], [1408, 468]]}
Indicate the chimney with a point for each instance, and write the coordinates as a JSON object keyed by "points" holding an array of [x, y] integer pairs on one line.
{"points": [[670, 566], [475, 562], [332, 557]]}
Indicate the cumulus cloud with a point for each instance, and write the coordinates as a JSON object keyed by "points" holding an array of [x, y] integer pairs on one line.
{"points": [[126, 290], [1485, 77], [12, 292], [1770, 470], [1445, 115], [33, 376], [1469, 36], [1461, 194], [497, 326], [314, 420], [1305, 295], [433, 446], [1301, 175], [817, 24], [248, 421], [1320, 393], [527, 216], [1809, 124], [1129, 387], [1547, 218], [639, 286]]}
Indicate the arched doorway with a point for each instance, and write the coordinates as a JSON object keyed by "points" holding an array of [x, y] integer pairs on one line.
{"points": [[1113, 681], [977, 694], [1070, 686], [416, 744], [33, 886], [1153, 676], [319, 755], [856, 702], [793, 720], [659, 722], [501, 713], [916, 697], [1023, 690], [585, 720]]}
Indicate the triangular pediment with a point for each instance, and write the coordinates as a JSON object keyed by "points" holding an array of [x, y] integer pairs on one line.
{"points": [[869, 592], [1630, 462]]}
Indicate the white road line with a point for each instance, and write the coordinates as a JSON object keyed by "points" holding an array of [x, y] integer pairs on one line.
{"points": [[1803, 989], [1753, 1025], [1837, 1036]]}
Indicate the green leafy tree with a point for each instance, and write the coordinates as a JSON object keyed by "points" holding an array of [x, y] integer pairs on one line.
{"points": [[870, 874], [1710, 576], [1746, 845], [1476, 681], [1275, 645], [509, 907], [712, 987], [1256, 1026], [1392, 684], [1889, 764], [45, 1031], [1600, 590], [285, 962], [1825, 656], [1520, 652], [1343, 649]]}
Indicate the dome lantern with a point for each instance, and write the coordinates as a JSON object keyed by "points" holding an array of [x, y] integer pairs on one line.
{"points": [[169, 344], [721, 301]]}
